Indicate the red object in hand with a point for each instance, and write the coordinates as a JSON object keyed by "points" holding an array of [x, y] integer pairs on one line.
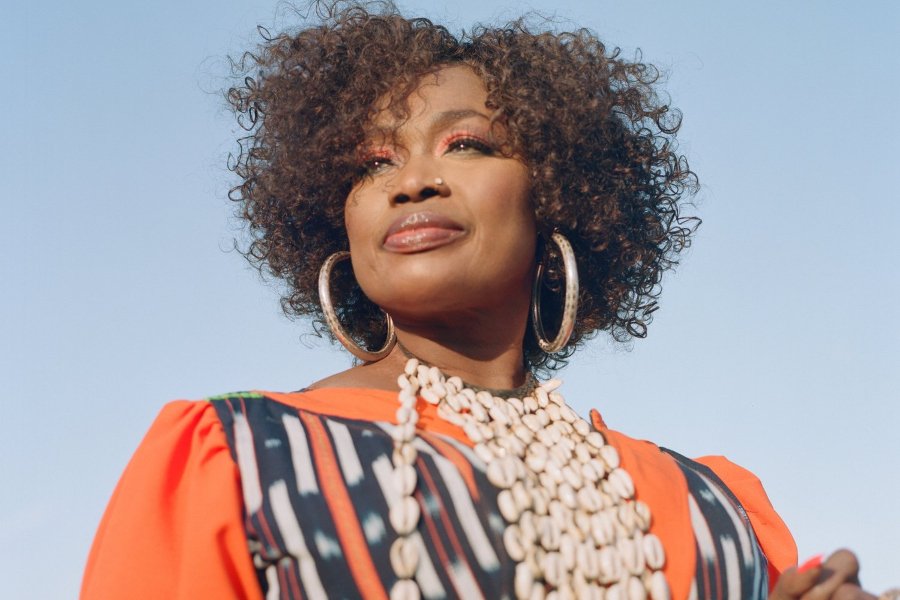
{"points": [[812, 563]]}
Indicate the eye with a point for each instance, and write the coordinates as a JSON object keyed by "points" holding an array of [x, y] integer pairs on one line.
{"points": [[469, 143], [373, 164]]}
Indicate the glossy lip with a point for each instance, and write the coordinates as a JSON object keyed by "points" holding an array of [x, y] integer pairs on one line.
{"points": [[421, 231]]}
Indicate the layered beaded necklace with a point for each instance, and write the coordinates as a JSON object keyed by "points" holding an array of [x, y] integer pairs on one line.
{"points": [[572, 524]]}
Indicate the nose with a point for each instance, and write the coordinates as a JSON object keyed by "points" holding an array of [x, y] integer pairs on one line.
{"points": [[418, 182]]}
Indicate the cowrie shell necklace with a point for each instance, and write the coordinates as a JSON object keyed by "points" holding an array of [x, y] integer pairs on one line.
{"points": [[573, 526]]}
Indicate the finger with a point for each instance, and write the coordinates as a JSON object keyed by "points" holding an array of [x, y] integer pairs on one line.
{"points": [[851, 591], [840, 568], [795, 582]]}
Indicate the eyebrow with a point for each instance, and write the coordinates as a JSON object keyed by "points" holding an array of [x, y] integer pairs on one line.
{"points": [[438, 121], [442, 119]]}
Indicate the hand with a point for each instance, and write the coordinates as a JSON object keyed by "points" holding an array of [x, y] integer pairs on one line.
{"points": [[836, 578]]}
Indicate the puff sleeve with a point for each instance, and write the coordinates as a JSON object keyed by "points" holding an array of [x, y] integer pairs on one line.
{"points": [[774, 538], [174, 526]]}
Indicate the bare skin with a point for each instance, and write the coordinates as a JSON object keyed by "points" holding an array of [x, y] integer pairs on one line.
{"points": [[461, 306], [837, 578]]}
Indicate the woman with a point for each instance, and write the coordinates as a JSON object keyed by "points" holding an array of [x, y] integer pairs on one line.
{"points": [[502, 197]]}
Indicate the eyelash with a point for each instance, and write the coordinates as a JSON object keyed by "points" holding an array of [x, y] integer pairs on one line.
{"points": [[461, 142], [465, 141]]}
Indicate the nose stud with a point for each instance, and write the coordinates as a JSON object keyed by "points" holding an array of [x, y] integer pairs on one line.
{"points": [[438, 181]]}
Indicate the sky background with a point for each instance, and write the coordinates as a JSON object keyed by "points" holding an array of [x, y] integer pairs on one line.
{"points": [[778, 339]]}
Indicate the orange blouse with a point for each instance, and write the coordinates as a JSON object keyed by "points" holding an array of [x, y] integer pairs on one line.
{"points": [[174, 526]]}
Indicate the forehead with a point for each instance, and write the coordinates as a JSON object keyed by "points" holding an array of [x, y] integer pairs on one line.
{"points": [[448, 90]]}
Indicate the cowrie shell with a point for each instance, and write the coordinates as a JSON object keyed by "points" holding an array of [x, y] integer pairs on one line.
{"points": [[586, 558], [583, 523], [531, 422], [582, 452], [405, 454], [556, 398], [429, 396], [550, 533], [610, 565], [568, 415], [410, 368], [631, 555], [615, 592], [507, 505], [473, 432], [654, 553], [516, 405], [536, 462], [540, 501], [404, 557], [543, 417], [405, 589], [543, 399], [658, 586], [524, 580], [642, 515], [621, 482], [603, 528], [527, 527], [553, 568], [634, 589], [521, 496], [565, 592], [610, 456], [550, 385], [567, 551], [404, 515], [537, 591], [554, 411], [582, 427], [404, 433], [567, 495], [595, 439], [455, 402], [589, 499], [626, 516], [484, 452], [501, 473], [572, 476], [469, 394], [530, 404], [486, 399], [435, 376], [512, 541], [455, 382], [478, 412], [523, 433], [404, 477], [440, 389], [499, 415], [599, 467]]}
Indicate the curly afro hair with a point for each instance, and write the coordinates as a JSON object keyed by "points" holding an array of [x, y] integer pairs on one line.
{"points": [[597, 139]]}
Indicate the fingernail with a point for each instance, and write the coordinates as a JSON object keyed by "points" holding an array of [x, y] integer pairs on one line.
{"points": [[812, 563]]}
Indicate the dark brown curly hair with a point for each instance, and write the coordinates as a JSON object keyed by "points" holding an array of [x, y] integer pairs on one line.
{"points": [[598, 141]]}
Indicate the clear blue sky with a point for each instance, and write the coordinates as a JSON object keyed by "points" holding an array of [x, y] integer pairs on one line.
{"points": [[778, 341]]}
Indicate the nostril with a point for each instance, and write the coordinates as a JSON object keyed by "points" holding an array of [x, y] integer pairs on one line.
{"points": [[428, 192], [401, 198]]}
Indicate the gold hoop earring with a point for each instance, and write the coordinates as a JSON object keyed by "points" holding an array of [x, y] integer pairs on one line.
{"points": [[332, 320], [570, 304]]}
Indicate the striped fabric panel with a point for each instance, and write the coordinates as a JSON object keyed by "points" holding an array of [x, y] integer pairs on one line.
{"points": [[730, 563], [317, 491]]}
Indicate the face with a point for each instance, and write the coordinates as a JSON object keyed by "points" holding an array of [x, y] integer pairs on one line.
{"points": [[442, 223]]}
